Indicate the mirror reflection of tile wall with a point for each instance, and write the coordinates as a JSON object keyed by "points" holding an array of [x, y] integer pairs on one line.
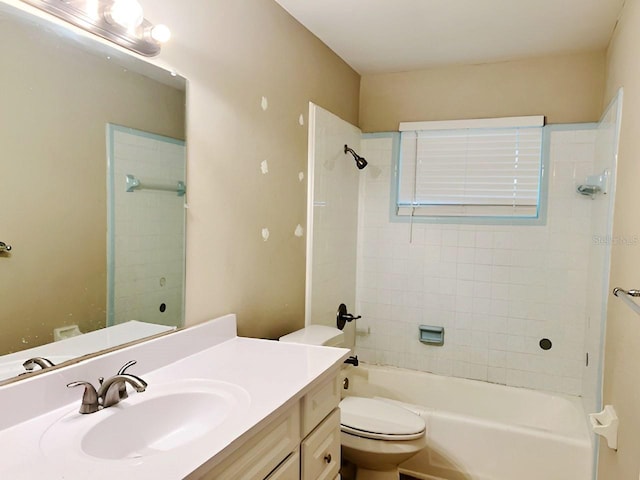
{"points": [[147, 230], [60, 91]]}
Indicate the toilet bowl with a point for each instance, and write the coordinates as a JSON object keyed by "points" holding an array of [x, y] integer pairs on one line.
{"points": [[376, 435]]}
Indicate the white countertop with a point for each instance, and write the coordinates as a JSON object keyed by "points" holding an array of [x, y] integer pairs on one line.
{"points": [[274, 374]]}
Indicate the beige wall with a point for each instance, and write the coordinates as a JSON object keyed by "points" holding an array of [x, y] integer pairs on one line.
{"points": [[622, 352], [565, 88], [234, 53], [56, 102]]}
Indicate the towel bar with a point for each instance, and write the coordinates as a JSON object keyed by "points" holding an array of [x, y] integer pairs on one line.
{"points": [[627, 296]]}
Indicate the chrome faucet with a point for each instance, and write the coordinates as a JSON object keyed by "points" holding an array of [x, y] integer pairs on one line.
{"points": [[42, 362], [111, 390]]}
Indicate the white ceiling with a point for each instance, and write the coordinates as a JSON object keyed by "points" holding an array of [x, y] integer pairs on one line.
{"points": [[375, 36]]}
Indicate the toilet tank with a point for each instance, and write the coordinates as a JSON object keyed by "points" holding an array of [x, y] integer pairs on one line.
{"points": [[316, 335]]}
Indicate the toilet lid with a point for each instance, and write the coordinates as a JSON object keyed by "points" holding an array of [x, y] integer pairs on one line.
{"points": [[376, 419]]}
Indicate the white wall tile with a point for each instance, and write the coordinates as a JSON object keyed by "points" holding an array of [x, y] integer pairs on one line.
{"points": [[149, 234], [497, 289]]}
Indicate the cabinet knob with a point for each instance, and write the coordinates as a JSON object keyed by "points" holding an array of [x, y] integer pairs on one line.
{"points": [[327, 458]]}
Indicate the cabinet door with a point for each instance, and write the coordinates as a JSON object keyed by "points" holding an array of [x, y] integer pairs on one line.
{"points": [[289, 470], [318, 403], [261, 454], [321, 450]]}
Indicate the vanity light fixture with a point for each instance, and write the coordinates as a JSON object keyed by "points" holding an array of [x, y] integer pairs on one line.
{"points": [[126, 13], [119, 21]]}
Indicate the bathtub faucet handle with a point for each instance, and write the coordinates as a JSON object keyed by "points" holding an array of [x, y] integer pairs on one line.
{"points": [[344, 316]]}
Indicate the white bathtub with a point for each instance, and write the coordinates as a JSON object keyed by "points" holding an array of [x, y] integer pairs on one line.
{"points": [[482, 431]]}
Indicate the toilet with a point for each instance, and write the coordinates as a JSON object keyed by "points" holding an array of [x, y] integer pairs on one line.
{"points": [[376, 435]]}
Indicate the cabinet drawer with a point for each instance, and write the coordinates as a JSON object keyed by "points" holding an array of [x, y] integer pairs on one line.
{"points": [[318, 403], [262, 453], [321, 450], [289, 470]]}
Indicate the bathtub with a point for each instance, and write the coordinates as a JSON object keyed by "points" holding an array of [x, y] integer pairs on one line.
{"points": [[483, 431]]}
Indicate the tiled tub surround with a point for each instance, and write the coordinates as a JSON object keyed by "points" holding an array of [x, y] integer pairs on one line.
{"points": [[275, 375], [333, 218], [497, 289], [599, 289], [147, 261]]}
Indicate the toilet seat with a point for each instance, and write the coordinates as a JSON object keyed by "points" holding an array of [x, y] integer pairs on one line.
{"points": [[378, 420]]}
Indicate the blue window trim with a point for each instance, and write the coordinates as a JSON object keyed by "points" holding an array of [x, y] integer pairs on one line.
{"points": [[540, 219]]}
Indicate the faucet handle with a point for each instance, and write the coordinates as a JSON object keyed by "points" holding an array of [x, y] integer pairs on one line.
{"points": [[122, 387], [126, 365], [89, 397]]}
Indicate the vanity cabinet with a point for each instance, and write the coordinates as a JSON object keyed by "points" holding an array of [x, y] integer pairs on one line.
{"points": [[300, 443], [320, 447], [320, 457], [279, 417], [260, 454], [289, 470]]}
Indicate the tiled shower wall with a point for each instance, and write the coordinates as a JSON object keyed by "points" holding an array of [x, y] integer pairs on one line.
{"points": [[497, 290], [333, 220], [149, 230], [598, 285]]}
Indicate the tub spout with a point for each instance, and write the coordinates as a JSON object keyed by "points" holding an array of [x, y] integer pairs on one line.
{"points": [[353, 360]]}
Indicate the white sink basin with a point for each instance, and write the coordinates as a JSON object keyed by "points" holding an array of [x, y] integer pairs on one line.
{"points": [[163, 418]]}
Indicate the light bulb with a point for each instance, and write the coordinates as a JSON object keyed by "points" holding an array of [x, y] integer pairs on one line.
{"points": [[161, 33], [93, 9], [126, 13]]}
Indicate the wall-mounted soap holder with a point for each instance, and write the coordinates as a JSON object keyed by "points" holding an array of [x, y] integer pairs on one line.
{"points": [[595, 184], [431, 335], [605, 424]]}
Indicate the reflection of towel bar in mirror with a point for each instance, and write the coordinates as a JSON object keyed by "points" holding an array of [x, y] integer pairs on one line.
{"points": [[57, 59], [627, 298], [134, 184]]}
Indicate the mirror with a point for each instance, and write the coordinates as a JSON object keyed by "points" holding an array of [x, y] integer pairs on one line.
{"points": [[68, 103]]}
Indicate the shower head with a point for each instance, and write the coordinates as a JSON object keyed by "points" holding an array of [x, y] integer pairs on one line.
{"points": [[360, 161]]}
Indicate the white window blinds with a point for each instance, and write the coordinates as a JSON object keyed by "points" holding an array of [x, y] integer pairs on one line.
{"points": [[470, 172]]}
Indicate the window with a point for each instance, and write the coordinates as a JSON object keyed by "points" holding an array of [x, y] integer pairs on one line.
{"points": [[473, 168]]}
